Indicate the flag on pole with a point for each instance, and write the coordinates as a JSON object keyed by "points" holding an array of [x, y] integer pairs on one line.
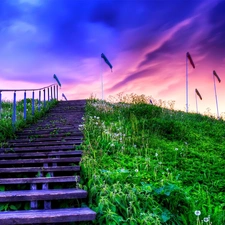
{"points": [[106, 61], [216, 75], [197, 92], [56, 78], [190, 59], [64, 96]]}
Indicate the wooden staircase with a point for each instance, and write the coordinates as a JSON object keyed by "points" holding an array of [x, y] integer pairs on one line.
{"points": [[41, 168]]}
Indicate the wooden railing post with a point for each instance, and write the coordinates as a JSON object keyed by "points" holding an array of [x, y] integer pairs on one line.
{"points": [[44, 98], [39, 101], [14, 110], [33, 107], [25, 106], [51, 92], [57, 92], [54, 92], [48, 94]]}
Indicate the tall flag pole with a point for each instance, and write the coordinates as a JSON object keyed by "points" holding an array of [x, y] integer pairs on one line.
{"points": [[110, 65], [199, 95], [216, 75], [188, 57]]}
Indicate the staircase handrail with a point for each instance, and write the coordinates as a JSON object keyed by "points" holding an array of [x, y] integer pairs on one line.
{"points": [[52, 93]]}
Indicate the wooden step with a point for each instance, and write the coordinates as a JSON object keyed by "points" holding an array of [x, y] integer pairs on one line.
{"points": [[69, 138], [50, 194], [41, 154], [37, 148], [39, 169], [46, 160], [47, 135], [46, 143], [50, 129], [46, 216], [38, 180]]}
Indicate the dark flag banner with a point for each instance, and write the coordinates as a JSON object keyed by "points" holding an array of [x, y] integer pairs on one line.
{"points": [[216, 75], [56, 78], [197, 92], [190, 59], [106, 61], [64, 96]]}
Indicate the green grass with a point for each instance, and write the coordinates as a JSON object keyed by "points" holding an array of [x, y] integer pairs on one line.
{"points": [[6, 129], [145, 164]]}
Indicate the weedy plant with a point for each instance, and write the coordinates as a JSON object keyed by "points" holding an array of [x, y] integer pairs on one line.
{"points": [[145, 164], [6, 129]]}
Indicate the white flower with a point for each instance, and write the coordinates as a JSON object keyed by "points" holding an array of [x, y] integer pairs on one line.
{"points": [[197, 212], [97, 118], [112, 145], [156, 154], [176, 149], [206, 219], [136, 170]]}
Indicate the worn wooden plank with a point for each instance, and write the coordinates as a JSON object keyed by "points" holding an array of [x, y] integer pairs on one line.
{"points": [[53, 132], [33, 195], [41, 154], [46, 143], [47, 160], [38, 169], [50, 129], [69, 138], [37, 148], [36, 180], [47, 216], [65, 134]]}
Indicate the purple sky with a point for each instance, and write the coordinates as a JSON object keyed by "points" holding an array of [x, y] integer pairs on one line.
{"points": [[145, 41]]}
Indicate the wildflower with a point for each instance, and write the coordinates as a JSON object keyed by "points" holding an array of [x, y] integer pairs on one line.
{"points": [[135, 146], [97, 118], [197, 213], [176, 149], [156, 154], [112, 145], [206, 219], [160, 163], [136, 170], [96, 123]]}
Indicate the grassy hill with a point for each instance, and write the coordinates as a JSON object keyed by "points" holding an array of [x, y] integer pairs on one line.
{"points": [[144, 164]]}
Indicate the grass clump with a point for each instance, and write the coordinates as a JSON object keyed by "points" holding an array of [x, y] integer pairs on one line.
{"points": [[145, 164], [7, 131]]}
